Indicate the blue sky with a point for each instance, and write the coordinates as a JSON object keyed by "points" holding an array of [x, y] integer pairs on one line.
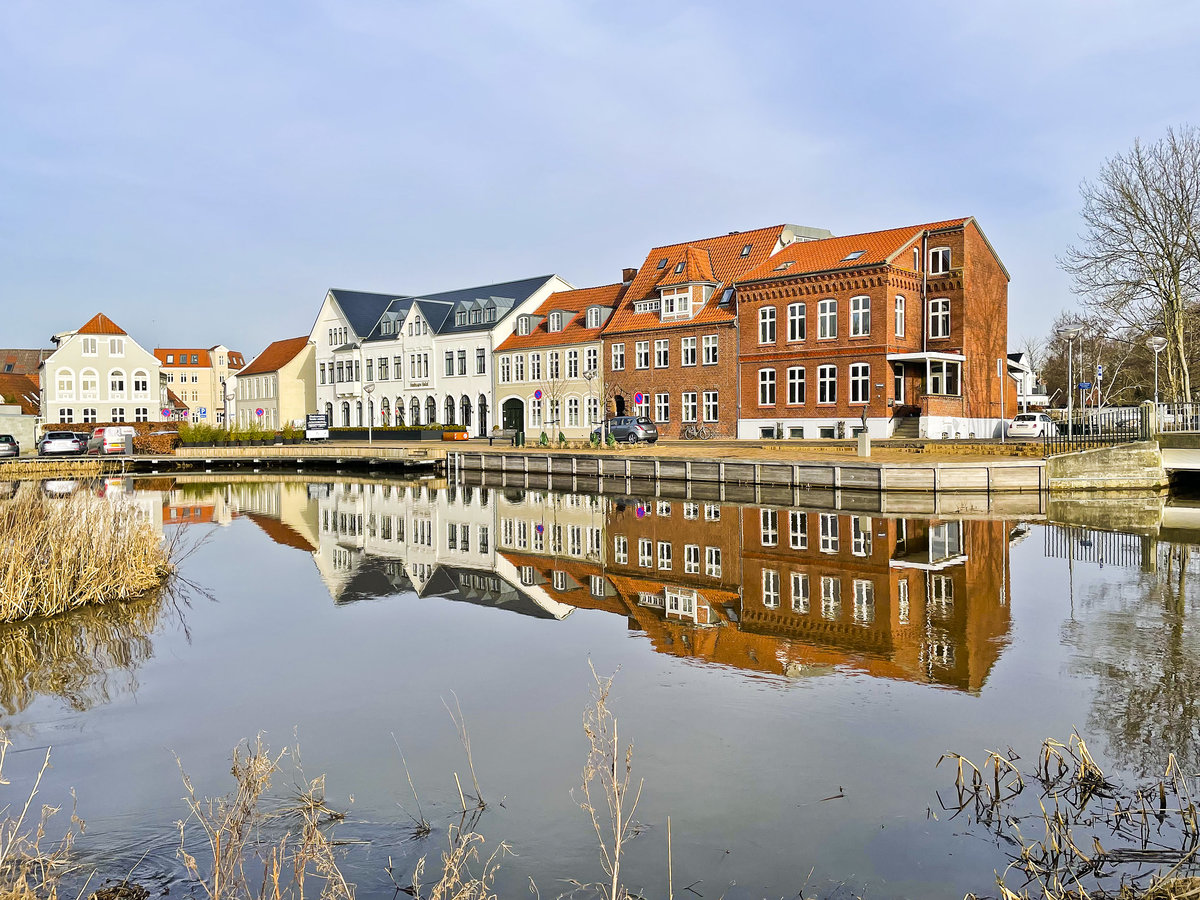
{"points": [[203, 171]]}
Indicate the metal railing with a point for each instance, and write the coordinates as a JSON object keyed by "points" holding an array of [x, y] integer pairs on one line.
{"points": [[1098, 428], [1179, 417]]}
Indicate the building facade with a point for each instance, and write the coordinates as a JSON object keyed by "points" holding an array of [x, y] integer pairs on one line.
{"points": [[902, 332], [200, 378], [548, 377], [391, 359], [281, 382], [98, 373]]}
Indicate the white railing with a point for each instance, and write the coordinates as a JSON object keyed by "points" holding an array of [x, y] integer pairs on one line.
{"points": [[1179, 417]]}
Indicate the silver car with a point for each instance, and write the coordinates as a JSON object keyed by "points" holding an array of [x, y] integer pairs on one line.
{"points": [[59, 443], [9, 445], [630, 429]]}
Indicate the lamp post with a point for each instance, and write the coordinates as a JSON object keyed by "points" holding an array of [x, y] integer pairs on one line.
{"points": [[369, 389], [1070, 333], [1158, 344], [590, 375]]}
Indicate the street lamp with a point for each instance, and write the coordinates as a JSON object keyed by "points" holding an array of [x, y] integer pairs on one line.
{"points": [[1158, 345], [590, 375], [1070, 333], [368, 389]]}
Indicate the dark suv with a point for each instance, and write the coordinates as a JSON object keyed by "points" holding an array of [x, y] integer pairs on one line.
{"points": [[630, 429]]}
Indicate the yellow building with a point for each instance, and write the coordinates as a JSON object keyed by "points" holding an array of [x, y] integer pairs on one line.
{"points": [[197, 377], [281, 382]]}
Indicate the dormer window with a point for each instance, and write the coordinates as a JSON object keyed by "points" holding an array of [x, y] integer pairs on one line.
{"points": [[523, 325], [593, 317], [475, 316], [489, 315], [170, 359], [460, 318], [746, 250], [555, 321], [677, 303]]}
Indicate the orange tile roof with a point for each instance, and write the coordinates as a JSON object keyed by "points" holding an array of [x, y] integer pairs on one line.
{"points": [[101, 324], [174, 400], [575, 330], [280, 532], [22, 390], [182, 355], [277, 355], [716, 259], [877, 247]]}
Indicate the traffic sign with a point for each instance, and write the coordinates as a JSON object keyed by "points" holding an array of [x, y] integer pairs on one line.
{"points": [[166, 413], [638, 398], [1085, 385], [1099, 370], [259, 412], [202, 412], [537, 395]]}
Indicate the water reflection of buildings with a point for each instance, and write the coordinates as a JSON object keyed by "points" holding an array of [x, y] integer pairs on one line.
{"points": [[774, 590]]}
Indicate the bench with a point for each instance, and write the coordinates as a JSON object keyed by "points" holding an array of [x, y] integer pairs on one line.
{"points": [[503, 434]]}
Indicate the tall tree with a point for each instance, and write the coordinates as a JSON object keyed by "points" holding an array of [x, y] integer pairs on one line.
{"points": [[1138, 261]]}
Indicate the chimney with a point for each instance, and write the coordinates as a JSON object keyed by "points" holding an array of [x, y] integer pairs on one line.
{"points": [[627, 275]]}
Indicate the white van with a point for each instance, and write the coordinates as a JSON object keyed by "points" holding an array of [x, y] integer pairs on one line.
{"points": [[110, 439]]}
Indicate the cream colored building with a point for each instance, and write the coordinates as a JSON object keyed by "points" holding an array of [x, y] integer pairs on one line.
{"points": [[100, 374], [198, 377], [281, 382]]}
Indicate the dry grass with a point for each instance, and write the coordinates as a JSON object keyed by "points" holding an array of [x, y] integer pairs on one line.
{"points": [[58, 554], [68, 467]]}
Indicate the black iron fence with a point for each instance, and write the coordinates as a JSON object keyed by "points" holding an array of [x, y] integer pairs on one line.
{"points": [[1090, 428]]}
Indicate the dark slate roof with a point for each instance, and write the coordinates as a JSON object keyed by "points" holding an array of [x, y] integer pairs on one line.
{"points": [[447, 582], [373, 577], [362, 309], [503, 297]]}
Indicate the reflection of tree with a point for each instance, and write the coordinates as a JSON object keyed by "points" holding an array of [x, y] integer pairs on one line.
{"points": [[85, 657], [1145, 656]]}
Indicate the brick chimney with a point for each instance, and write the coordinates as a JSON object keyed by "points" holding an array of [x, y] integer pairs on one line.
{"points": [[627, 275]]}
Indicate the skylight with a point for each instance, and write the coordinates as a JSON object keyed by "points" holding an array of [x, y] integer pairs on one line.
{"points": [[855, 255], [679, 267], [785, 265], [746, 250], [662, 263]]}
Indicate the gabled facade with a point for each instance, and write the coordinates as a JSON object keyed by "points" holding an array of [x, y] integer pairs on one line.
{"points": [[902, 330], [416, 360], [548, 376], [670, 349], [200, 377], [98, 373], [281, 381]]}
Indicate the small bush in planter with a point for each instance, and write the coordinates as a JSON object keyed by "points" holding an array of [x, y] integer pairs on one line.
{"points": [[562, 439], [594, 441], [544, 440], [610, 441]]}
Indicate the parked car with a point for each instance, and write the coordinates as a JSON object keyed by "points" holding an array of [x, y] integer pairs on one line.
{"points": [[9, 445], [84, 437], [60, 443], [1031, 425], [110, 439], [630, 429]]}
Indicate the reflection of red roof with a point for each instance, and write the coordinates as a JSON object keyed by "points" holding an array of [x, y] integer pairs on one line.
{"points": [[277, 355], [101, 324], [22, 390], [279, 532], [574, 306]]}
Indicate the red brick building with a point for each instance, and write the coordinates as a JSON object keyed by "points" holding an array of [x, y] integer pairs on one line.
{"points": [[905, 330], [670, 349]]}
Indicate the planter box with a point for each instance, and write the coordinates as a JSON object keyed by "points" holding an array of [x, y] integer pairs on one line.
{"points": [[381, 436]]}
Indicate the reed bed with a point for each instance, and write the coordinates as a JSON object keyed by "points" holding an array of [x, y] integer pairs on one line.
{"points": [[58, 554], [67, 467]]}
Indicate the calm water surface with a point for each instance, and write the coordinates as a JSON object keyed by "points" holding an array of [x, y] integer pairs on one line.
{"points": [[789, 676]]}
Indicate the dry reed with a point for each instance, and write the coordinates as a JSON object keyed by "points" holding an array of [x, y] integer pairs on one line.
{"points": [[78, 467], [58, 554]]}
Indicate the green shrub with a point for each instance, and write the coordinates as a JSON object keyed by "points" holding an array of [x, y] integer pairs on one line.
{"points": [[544, 440]]}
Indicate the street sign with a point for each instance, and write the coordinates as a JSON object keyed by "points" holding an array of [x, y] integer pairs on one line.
{"points": [[638, 398], [202, 412], [259, 412], [166, 413], [1099, 370], [537, 395], [316, 427], [1085, 385]]}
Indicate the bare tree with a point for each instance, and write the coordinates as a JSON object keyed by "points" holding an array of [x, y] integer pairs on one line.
{"points": [[1138, 261]]}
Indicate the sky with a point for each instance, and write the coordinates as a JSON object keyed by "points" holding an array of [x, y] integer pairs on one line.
{"points": [[202, 172]]}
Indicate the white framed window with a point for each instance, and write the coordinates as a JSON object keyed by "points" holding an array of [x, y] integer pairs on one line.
{"points": [[864, 602], [899, 316], [535, 367], [768, 527], [677, 303], [643, 408], [116, 347], [591, 360], [66, 415], [662, 407], [641, 354], [860, 535], [797, 325], [518, 367], [573, 412], [827, 384], [556, 321], [593, 317], [89, 346], [691, 510], [770, 588], [505, 370], [662, 353], [621, 549], [691, 559], [860, 316], [944, 378], [572, 363], [829, 533], [593, 407], [712, 512], [597, 585], [798, 530], [831, 597], [65, 384], [766, 387], [860, 382], [766, 325], [939, 260], [827, 319], [535, 413], [664, 555], [939, 318], [711, 406], [795, 385], [552, 364], [141, 384], [689, 406], [522, 325], [903, 606], [116, 385], [800, 592], [712, 562], [687, 351], [89, 415], [709, 345], [645, 553], [618, 357]]}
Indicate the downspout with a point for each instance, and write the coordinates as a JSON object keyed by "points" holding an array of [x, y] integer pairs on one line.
{"points": [[737, 366], [924, 293]]}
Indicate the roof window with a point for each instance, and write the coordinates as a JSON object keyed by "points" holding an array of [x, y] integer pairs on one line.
{"points": [[855, 255], [746, 250], [679, 267], [785, 265], [662, 263]]}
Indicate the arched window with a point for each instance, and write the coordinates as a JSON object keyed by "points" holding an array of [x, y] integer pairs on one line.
{"points": [[466, 411], [89, 385], [483, 415], [65, 384], [358, 413], [449, 420], [345, 413], [329, 413], [430, 411], [116, 384], [399, 410], [141, 384], [416, 412], [371, 411], [385, 412]]}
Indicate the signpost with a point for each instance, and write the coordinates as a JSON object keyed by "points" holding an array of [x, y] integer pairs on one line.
{"points": [[316, 427]]}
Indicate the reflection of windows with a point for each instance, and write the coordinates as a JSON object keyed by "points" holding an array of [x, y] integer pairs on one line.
{"points": [[645, 553], [681, 601], [864, 602], [941, 595], [663, 508], [770, 588], [527, 575], [798, 530], [800, 592], [860, 532], [903, 610], [945, 540], [621, 549], [829, 533], [664, 554], [691, 559], [691, 510], [575, 536], [831, 597], [769, 526], [712, 562], [560, 580], [940, 652], [597, 583], [712, 512]]}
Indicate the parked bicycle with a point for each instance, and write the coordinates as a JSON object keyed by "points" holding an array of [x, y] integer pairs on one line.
{"points": [[698, 432]]}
